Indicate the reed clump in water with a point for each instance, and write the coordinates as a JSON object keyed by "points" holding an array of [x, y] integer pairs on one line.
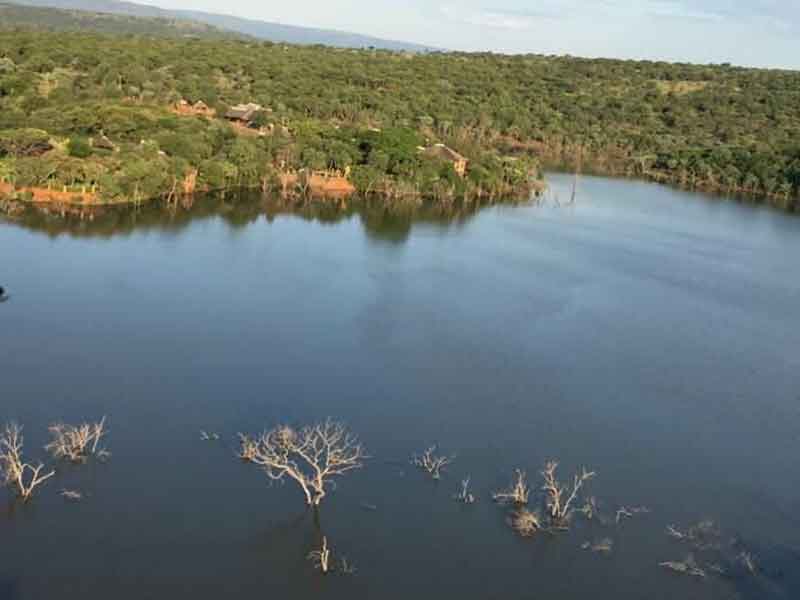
{"points": [[526, 522]]}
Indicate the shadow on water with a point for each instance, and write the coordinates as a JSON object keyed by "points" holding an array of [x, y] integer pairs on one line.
{"points": [[391, 223], [279, 533]]}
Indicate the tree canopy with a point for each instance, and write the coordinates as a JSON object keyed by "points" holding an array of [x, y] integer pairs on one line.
{"points": [[368, 111]]}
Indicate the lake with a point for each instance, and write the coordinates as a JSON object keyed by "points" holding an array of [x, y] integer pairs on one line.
{"points": [[649, 334]]}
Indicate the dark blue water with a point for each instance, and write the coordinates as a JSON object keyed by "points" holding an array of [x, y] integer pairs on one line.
{"points": [[649, 334]]}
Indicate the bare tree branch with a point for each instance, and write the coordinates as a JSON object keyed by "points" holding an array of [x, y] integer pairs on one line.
{"points": [[323, 560], [432, 463], [77, 442], [322, 557], [748, 561], [15, 472], [628, 513], [311, 456], [560, 498], [465, 496], [518, 493]]}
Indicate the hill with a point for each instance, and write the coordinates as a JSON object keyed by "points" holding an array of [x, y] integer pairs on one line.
{"points": [[274, 32], [65, 99], [31, 17]]}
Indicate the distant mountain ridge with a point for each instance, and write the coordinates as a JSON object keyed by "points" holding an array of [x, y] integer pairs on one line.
{"points": [[265, 30], [57, 19]]}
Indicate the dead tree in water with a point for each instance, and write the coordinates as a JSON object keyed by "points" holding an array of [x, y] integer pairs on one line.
{"points": [[77, 443], [525, 522], [560, 498], [311, 456], [703, 536], [15, 472], [324, 561], [685, 567], [322, 557], [465, 496], [430, 462], [518, 493], [628, 513]]}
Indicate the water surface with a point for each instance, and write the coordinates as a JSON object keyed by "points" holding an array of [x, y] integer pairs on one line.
{"points": [[649, 334]]}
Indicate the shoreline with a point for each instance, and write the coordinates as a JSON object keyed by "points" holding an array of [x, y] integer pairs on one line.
{"points": [[782, 203], [11, 204]]}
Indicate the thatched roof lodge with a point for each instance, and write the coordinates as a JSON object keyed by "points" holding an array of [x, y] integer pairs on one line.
{"points": [[446, 153], [243, 113]]}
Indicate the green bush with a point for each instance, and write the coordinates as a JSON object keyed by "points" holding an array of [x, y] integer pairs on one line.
{"points": [[79, 148]]}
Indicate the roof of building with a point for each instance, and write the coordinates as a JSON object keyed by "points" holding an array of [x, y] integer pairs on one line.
{"points": [[243, 112]]}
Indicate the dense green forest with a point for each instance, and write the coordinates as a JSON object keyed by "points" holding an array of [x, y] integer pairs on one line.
{"points": [[367, 113]]}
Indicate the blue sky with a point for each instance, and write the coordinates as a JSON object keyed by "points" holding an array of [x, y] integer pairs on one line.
{"points": [[748, 32]]}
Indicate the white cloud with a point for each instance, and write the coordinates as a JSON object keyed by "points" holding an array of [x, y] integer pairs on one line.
{"points": [[488, 18], [523, 14], [679, 10]]}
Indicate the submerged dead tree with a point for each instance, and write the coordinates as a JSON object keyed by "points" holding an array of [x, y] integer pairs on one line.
{"points": [[688, 566], [518, 493], [77, 442], [559, 502], [312, 456], [731, 559], [432, 463], [323, 560], [14, 471], [560, 497], [465, 496], [322, 557], [705, 535]]}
